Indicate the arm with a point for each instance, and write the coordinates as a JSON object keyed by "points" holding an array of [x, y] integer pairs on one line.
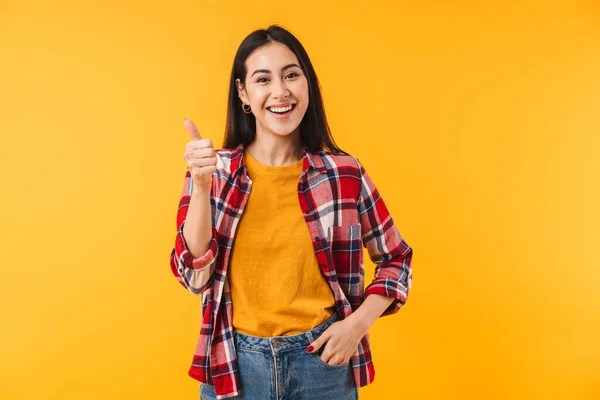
{"points": [[390, 286], [367, 313], [196, 248], [387, 250]]}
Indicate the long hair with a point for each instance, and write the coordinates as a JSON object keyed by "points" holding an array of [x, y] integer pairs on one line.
{"points": [[241, 127]]}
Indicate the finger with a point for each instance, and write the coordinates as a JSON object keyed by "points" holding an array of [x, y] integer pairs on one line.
{"points": [[204, 162], [316, 345], [199, 144], [336, 360], [202, 152], [191, 128], [326, 355], [329, 355]]}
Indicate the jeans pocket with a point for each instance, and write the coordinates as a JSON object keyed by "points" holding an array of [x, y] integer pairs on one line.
{"points": [[207, 392], [317, 357]]}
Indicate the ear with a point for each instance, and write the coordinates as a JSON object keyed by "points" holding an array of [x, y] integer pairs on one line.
{"points": [[241, 90]]}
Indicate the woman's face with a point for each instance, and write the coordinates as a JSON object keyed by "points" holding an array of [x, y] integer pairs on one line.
{"points": [[274, 82]]}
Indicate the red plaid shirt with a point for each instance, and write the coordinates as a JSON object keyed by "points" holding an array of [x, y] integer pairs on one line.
{"points": [[343, 212]]}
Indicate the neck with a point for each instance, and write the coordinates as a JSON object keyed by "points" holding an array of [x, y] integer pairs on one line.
{"points": [[275, 150]]}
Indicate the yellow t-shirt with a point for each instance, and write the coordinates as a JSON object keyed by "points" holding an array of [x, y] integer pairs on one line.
{"points": [[276, 284]]}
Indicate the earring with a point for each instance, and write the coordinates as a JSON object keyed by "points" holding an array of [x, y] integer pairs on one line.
{"points": [[249, 111]]}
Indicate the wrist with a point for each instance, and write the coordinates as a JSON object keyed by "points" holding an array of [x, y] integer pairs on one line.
{"points": [[361, 322], [201, 190]]}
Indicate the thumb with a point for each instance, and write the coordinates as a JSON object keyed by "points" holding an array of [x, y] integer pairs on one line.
{"points": [[191, 128]]}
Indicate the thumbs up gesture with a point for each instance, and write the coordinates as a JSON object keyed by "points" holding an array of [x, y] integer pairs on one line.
{"points": [[200, 156]]}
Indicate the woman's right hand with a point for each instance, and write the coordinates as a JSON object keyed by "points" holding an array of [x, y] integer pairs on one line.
{"points": [[200, 156]]}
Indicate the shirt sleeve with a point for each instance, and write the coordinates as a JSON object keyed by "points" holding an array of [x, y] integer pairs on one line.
{"points": [[194, 273], [387, 249]]}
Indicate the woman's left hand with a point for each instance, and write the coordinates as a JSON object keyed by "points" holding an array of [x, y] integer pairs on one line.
{"points": [[340, 340]]}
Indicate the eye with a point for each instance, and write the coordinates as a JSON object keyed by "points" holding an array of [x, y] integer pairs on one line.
{"points": [[259, 80], [292, 73]]}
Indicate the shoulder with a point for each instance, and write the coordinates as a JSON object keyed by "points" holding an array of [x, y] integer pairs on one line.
{"points": [[347, 163]]}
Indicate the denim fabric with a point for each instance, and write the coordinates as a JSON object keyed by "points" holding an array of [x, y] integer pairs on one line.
{"points": [[279, 368]]}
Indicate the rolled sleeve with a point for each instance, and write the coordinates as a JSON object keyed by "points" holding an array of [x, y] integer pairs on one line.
{"points": [[188, 260], [392, 281], [194, 273]]}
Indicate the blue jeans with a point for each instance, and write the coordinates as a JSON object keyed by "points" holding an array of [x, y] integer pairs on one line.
{"points": [[279, 368]]}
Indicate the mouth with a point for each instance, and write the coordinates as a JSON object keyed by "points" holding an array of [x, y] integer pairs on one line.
{"points": [[282, 112]]}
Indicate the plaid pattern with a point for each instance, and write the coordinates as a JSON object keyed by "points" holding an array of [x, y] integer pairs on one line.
{"points": [[343, 212]]}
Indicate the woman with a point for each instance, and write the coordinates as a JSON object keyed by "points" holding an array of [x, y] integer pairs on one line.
{"points": [[284, 310]]}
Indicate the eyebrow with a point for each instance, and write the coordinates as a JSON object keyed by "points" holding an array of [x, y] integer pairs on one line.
{"points": [[267, 71]]}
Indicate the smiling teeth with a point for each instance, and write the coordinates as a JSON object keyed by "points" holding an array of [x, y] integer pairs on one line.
{"points": [[281, 109]]}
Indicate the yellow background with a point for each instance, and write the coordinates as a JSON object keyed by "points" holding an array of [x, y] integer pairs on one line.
{"points": [[479, 124]]}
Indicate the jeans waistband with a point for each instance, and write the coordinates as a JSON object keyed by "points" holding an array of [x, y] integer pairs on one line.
{"points": [[278, 344]]}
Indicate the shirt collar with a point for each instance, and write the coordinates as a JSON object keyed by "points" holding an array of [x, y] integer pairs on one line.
{"points": [[311, 159]]}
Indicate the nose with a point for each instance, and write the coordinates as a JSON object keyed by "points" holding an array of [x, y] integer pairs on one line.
{"points": [[281, 91]]}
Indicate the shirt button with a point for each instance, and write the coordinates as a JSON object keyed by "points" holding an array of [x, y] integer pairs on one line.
{"points": [[307, 212], [301, 187], [317, 238]]}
